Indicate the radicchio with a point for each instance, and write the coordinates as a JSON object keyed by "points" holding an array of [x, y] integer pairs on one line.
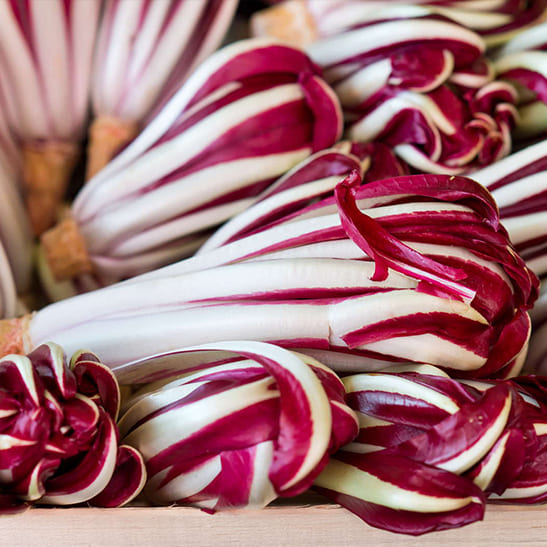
{"points": [[523, 62], [431, 450], [45, 71], [303, 21], [376, 274], [233, 424], [518, 183], [422, 86], [145, 50], [59, 436], [249, 113]]}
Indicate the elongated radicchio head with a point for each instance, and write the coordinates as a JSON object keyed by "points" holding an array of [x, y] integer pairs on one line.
{"points": [[60, 439], [410, 268], [45, 71], [233, 424], [248, 114], [431, 450]]}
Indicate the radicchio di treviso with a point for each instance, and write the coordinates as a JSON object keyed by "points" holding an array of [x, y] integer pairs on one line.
{"points": [[60, 443], [233, 424], [432, 450], [145, 50], [371, 276], [250, 112]]}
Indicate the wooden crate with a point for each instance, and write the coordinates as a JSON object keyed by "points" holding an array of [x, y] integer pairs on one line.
{"points": [[302, 524]]}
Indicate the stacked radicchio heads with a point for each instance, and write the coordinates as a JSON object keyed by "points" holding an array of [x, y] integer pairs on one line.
{"points": [[249, 113], [59, 435], [373, 275], [145, 50], [233, 424], [432, 450], [45, 68]]}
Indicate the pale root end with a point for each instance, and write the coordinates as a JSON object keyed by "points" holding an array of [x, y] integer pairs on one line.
{"points": [[47, 168], [289, 21], [14, 335], [107, 135], [65, 250]]}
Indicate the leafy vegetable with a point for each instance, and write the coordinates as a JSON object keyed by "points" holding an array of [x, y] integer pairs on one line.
{"points": [[145, 50], [249, 113], [523, 62], [233, 424], [432, 449], [315, 279], [46, 102], [59, 436]]}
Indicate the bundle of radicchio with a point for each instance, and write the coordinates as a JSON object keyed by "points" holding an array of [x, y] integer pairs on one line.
{"points": [[249, 113], [233, 424], [59, 435], [422, 86], [145, 50], [45, 66], [523, 63], [373, 275], [432, 450], [304, 21]]}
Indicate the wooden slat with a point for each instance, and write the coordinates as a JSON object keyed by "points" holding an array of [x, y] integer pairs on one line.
{"points": [[275, 526]]}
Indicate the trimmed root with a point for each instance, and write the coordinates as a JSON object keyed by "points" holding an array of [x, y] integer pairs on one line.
{"points": [[289, 21], [14, 336], [47, 168], [65, 250], [107, 136]]}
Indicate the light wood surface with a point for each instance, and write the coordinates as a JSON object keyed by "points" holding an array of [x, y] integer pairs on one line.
{"points": [[313, 525]]}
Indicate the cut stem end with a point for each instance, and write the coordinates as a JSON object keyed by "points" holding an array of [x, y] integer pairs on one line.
{"points": [[47, 168], [65, 250], [107, 135], [289, 21], [14, 335]]}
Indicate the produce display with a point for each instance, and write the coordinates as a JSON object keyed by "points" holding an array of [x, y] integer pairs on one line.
{"points": [[291, 246]]}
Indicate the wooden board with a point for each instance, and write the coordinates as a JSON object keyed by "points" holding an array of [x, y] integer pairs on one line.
{"points": [[314, 525]]}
